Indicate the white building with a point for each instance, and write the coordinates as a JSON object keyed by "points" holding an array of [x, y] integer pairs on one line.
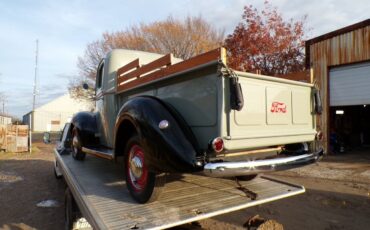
{"points": [[53, 115], [5, 119]]}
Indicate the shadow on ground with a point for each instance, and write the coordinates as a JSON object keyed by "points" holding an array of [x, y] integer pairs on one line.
{"points": [[360, 155], [313, 210], [23, 184]]}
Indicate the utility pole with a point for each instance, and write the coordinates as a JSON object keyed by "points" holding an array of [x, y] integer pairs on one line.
{"points": [[31, 116], [35, 80]]}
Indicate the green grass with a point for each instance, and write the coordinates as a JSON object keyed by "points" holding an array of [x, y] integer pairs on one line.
{"points": [[6, 155]]}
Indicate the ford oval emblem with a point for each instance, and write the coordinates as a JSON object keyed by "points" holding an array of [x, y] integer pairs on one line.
{"points": [[163, 124]]}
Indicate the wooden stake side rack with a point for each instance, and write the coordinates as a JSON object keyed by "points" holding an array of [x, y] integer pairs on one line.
{"points": [[133, 74]]}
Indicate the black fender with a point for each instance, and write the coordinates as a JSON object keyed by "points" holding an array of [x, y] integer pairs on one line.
{"points": [[85, 122], [170, 149]]}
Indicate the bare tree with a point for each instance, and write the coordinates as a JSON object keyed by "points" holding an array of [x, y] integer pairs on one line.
{"points": [[184, 38]]}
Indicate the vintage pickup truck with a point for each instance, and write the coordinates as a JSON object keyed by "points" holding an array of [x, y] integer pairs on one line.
{"points": [[165, 115]]}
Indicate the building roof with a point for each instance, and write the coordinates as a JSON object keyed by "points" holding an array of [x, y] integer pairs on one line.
{"points": [[332, 34], [339, 32]]}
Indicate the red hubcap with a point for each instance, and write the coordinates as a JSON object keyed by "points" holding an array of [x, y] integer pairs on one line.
{"points": [[137, 173]]}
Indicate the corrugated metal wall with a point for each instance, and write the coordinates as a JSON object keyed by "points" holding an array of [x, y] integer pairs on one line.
{"points": [[53, 115], [50, 121], [4, 120], [343, 49]]}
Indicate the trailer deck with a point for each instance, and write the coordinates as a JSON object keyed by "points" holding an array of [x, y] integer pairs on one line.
{"points": [[99, 189]]}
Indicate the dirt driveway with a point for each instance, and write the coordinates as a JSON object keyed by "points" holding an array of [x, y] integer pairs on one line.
{"points": [[26, 180], [337, 197]]}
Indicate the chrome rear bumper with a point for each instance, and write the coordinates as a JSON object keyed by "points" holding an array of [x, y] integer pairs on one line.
{"points": [[228, 169]]}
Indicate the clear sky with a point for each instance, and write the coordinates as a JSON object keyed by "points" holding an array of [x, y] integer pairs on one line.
{"points": [[64, 28]]}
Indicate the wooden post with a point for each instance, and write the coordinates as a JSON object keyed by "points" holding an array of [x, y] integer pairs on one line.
{"points": [[6, 138], [311, 75], [16, 138], [30, 122]]}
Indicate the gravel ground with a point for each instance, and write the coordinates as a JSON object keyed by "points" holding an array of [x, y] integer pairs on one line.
{"points": [[25, 181], [337, 196]]}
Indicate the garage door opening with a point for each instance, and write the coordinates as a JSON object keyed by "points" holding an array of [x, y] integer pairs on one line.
{"points": [[349, 128], [349, 114]]}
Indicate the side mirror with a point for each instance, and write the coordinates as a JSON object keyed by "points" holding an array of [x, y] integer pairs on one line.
{"points": [[85, 86]]}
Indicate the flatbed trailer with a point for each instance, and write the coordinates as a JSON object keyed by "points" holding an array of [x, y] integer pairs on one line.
{"points": [[98, 189]]}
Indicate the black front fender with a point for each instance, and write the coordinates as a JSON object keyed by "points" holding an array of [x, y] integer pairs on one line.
{"points": [[85, 122], [167, 149]]}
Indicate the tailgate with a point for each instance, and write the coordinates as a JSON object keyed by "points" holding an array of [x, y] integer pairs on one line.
{"points": [[276, 111]]}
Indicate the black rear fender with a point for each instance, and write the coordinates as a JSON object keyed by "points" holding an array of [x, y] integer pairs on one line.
{"points": [[166, 149]]}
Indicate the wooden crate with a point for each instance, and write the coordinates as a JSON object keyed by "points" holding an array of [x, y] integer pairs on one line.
{"points": [[2, 137], [14, 138]]}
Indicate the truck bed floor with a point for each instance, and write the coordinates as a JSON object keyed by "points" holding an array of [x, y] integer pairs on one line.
{"points": [[99, 189]]}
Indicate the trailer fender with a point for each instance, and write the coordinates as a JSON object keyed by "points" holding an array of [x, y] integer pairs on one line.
{"points": [[168, 147], [85, 122]]}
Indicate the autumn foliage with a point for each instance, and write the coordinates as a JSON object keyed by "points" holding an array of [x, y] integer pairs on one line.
{"points": [[183, 38], [263, 42]]}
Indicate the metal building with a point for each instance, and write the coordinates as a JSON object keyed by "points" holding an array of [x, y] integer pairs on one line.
{"points": [[53, 115], [340, 64], [5, 119]]}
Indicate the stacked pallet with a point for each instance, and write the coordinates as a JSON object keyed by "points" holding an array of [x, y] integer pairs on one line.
{"points": [[2, 137], [14, 138]]}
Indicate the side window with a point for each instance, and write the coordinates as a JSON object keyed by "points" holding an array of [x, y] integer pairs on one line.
{"points": [[99, 75]]}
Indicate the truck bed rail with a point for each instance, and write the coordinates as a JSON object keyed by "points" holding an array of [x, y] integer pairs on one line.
{"points": [[133, 75]]}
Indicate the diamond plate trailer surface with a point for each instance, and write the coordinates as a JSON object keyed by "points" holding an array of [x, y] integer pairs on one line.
{"points": [[99, 189]]}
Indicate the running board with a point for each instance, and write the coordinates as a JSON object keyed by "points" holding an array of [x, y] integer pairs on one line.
{"points": [[99, 152]]}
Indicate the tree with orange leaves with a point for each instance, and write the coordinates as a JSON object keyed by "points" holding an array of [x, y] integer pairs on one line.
{"points": [[183, 38], [264, 42]]}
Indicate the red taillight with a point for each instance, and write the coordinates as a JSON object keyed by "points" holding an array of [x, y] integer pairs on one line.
{"points": [[218, 144], [319, 136]]}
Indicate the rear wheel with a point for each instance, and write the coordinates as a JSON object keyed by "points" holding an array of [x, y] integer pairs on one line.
{"points": [[144, 186], [77, 146]]}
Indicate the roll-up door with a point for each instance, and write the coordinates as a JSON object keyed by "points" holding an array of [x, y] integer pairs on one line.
{"points": [[350, 85]]}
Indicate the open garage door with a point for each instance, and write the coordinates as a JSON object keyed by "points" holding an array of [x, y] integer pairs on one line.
{"points": [[350, 85], [349, 107]]}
